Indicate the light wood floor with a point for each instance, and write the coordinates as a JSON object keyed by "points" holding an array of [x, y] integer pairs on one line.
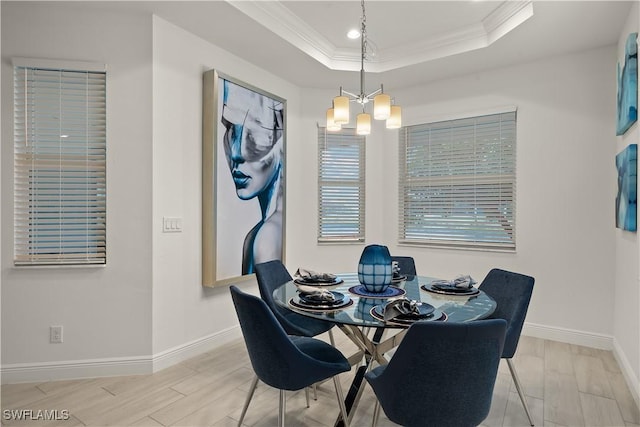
{"points": [[567, 385]]}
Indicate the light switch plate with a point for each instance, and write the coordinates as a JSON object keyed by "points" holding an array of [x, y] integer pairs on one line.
{"points": [[171, 224]]}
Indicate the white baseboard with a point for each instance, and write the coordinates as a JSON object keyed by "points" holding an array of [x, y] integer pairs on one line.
{"points": [[93, 368], [75, 369], [570, 336], [587, 339], [633, 382], [140, 365], [180, 353]]}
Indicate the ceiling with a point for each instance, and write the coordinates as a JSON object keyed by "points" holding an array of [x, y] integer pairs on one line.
{"points": [[412, 42]]}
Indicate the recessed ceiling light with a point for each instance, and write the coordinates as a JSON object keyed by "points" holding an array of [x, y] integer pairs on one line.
{"points": [[353, 34]]}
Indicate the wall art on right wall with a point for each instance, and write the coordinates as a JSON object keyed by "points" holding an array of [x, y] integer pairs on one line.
{"points": [[628, 86], [627, 200]]}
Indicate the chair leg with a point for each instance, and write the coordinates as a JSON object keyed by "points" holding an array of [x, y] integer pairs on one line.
{"points": [[315, 386], [252, 389], [306, 395], [376, 413], [514, 375], [343, 408], [282, 410]]}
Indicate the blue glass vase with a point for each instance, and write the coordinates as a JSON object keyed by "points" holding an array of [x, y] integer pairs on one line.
{"points": [[374, 269]]}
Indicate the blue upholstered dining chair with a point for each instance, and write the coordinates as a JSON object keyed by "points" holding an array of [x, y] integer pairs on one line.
{"points": [[442, 374], [272, 274], [512, 292], [407, 265], [282, 361]]}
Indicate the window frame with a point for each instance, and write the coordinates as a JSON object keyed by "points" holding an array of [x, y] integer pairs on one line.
{"points": [[60, 157], [346, 136], [502, 182]]}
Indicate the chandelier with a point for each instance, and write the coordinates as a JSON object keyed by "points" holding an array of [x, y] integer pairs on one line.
{"points": [[338, 115]]}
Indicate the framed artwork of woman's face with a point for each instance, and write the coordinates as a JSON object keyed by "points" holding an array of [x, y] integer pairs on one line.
{"points": [[243, 178]]}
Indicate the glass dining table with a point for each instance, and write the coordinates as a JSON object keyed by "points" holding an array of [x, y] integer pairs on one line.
{"points": [[360, 316]]}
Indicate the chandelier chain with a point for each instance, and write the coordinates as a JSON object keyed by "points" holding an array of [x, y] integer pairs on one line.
{"points": [[364, 31], [362, 98]]}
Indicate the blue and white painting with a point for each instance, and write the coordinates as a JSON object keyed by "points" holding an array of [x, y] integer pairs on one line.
{"points": [[627, 198], [628, 86]]}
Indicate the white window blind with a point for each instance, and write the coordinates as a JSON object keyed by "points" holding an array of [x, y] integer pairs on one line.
{"points": [[457, 183], [59, 166], [341, 198]]}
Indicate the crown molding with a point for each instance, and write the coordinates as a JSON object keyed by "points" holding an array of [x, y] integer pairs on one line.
{"points": [[442, 46], [274, 16], [507, 17]]}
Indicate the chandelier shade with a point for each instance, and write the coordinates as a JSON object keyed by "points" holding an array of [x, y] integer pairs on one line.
{"points": [[331, 124], [395, 118], [363, 124], [341, 110], [382, 105]]}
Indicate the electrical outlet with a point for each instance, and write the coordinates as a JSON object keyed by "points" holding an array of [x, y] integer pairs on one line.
{"points": [[55, 334]]}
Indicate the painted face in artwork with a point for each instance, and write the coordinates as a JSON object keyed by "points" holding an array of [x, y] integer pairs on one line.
{"points": [[252, 139]]}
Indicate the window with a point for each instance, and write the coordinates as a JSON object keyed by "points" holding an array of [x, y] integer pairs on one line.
{"points": [[59, 165], [340, 186], [457, 183]]}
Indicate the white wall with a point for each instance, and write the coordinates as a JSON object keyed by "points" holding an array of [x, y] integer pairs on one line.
{"points": [[586, 270], [0, 210], [106, 312], [183, 311], [565, 187], [626, 308], [564, 182], [148, 302]]}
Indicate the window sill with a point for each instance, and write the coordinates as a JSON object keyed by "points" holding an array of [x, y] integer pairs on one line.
{"points": [[458, 248], [340, 242], [57, 266]]}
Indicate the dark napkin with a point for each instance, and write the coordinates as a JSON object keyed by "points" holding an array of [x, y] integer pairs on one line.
{"points": [[316, 296], [460, 282], [406, 309], [313, 276]]}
